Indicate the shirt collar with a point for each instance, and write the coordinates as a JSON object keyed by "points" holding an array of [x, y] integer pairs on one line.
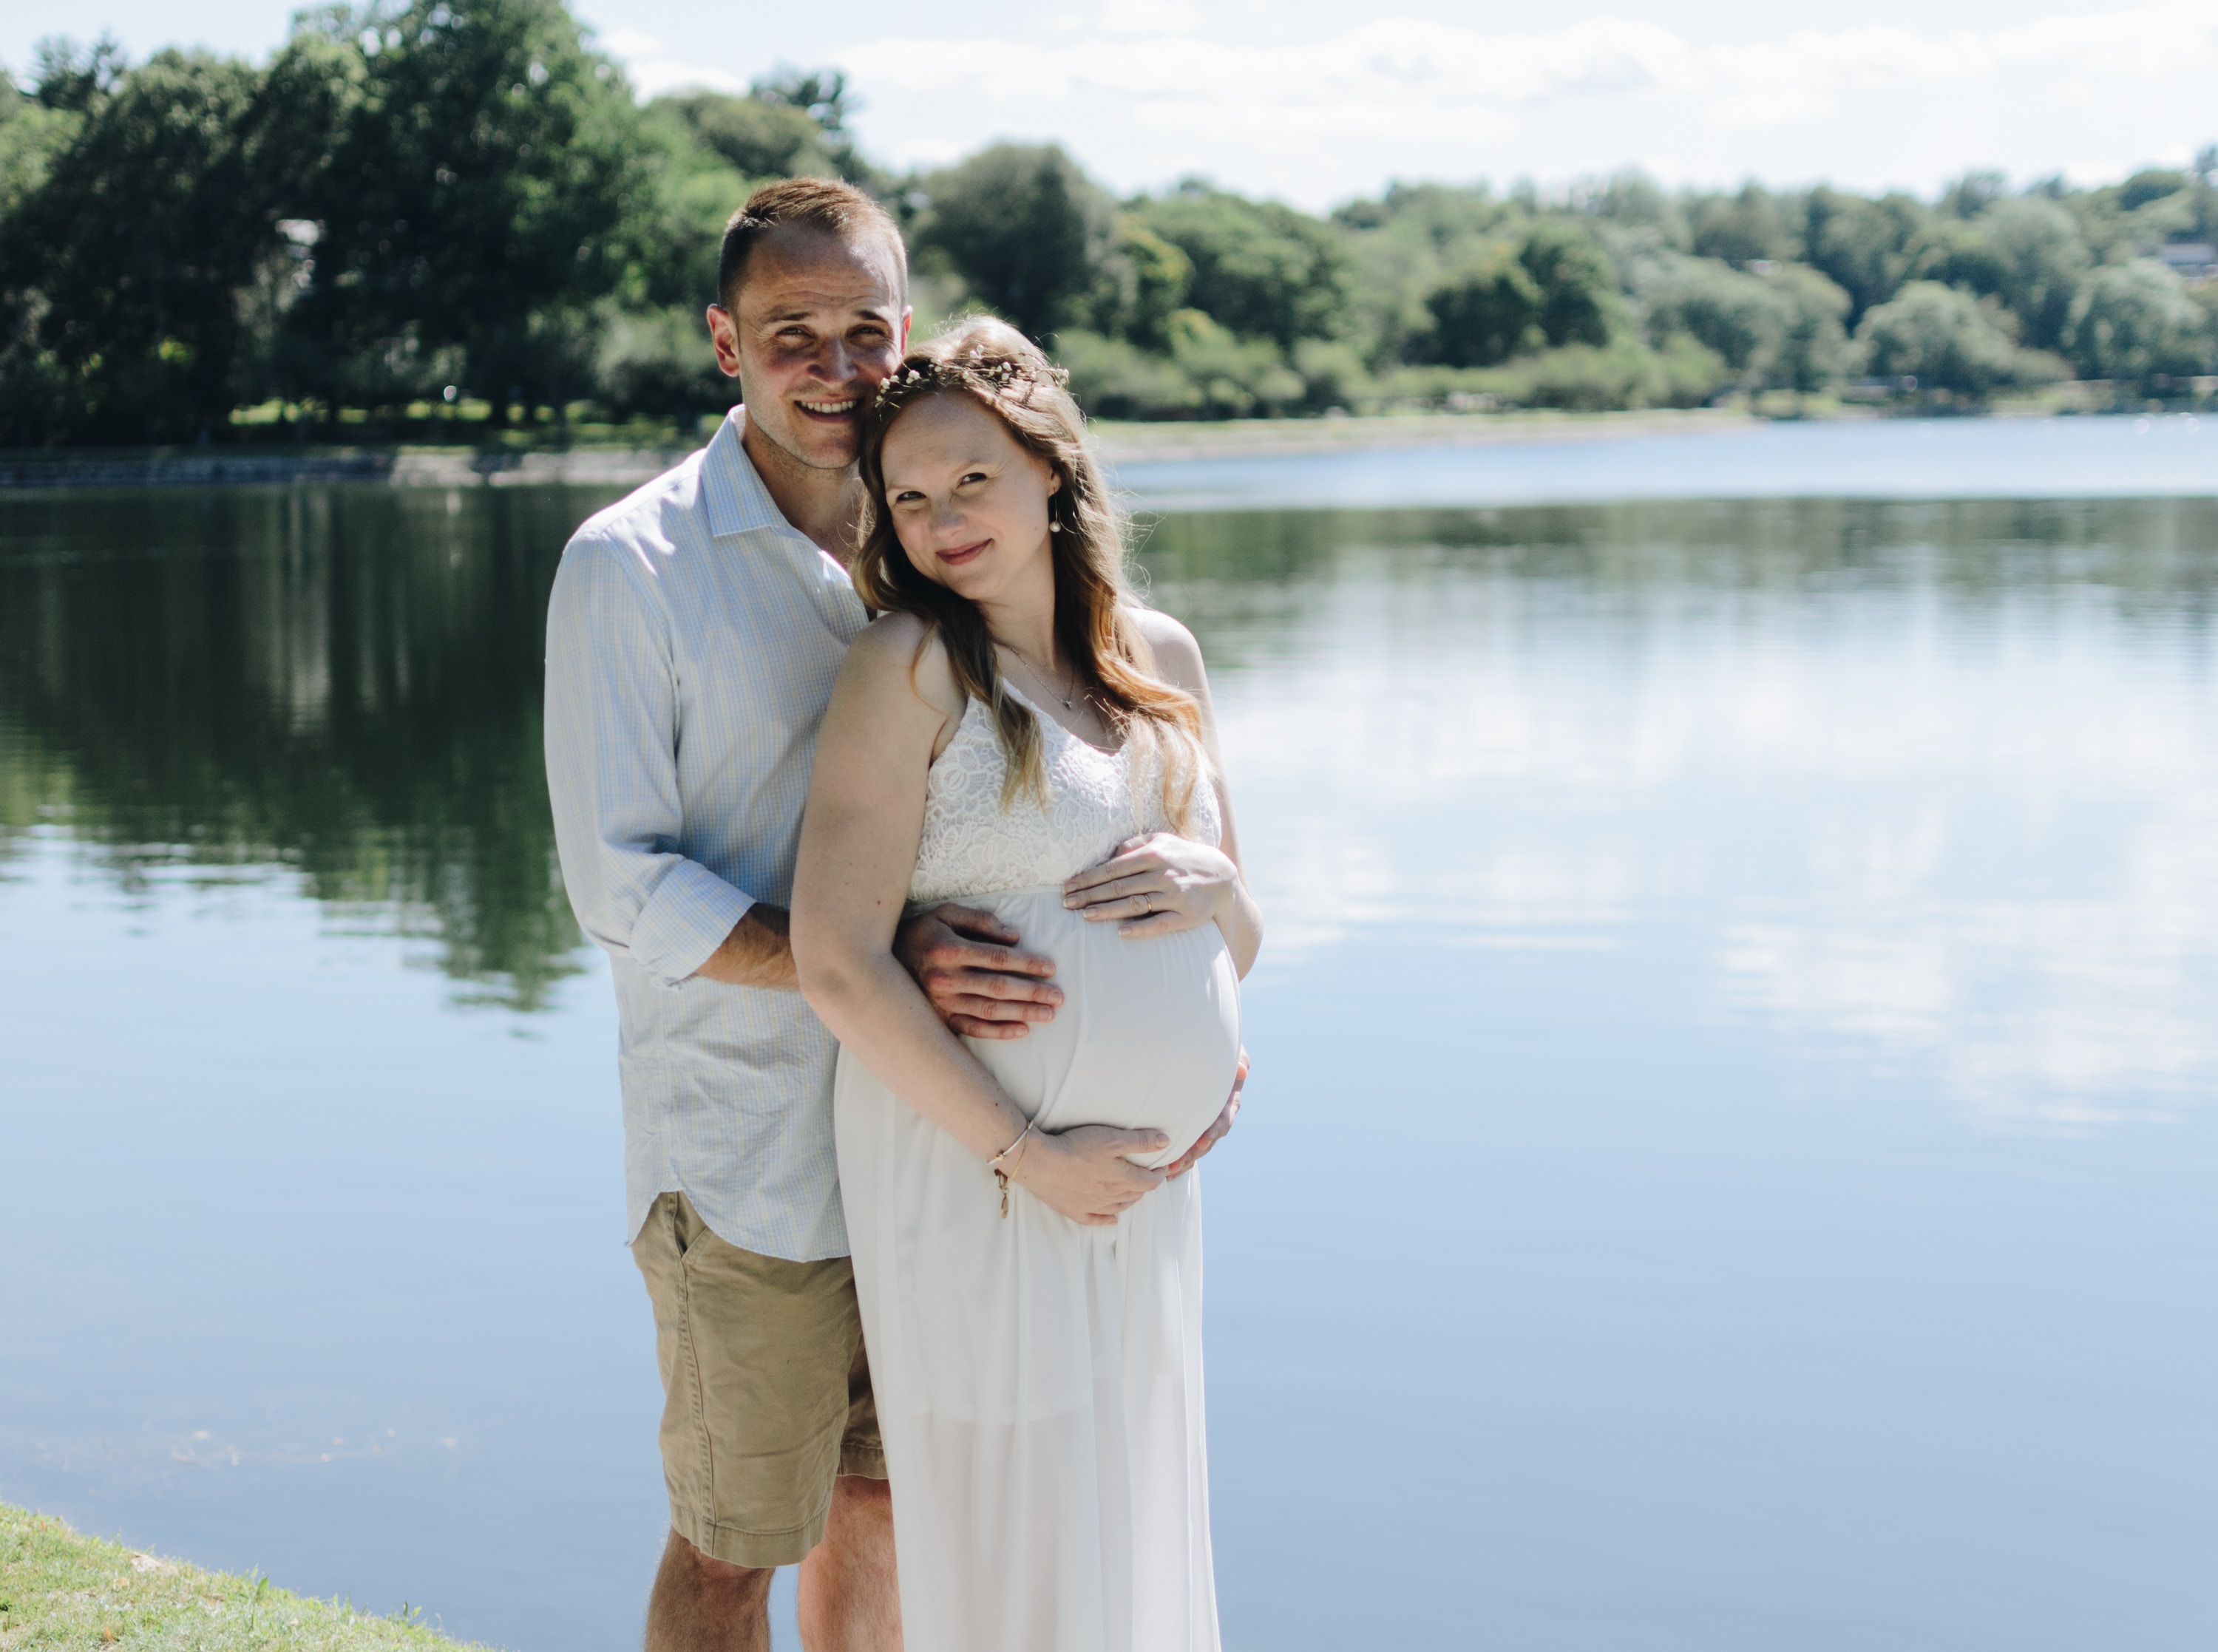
{"points": [[737, 501]]}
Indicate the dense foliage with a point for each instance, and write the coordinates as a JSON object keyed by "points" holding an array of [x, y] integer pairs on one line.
{"points": [[413, 211]]}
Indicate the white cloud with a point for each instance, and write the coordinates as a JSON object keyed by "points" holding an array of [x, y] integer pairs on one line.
{"points": [[654, 69], [1423, 79], [1386, 73], [1144, 90]]}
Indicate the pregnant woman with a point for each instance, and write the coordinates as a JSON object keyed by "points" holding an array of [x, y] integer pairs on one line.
{"points": [[1030, 1283]]}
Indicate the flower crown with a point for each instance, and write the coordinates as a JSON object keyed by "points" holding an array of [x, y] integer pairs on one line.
{"points": [[972, 372]]}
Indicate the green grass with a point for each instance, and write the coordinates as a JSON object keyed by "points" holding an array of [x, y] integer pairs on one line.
{"points": [[59, 1589]]}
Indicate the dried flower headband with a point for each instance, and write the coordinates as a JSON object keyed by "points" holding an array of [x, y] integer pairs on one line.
{"points": [[994, 378]]}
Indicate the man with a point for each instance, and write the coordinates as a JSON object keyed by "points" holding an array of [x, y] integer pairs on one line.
{"points": [[693, 636]]}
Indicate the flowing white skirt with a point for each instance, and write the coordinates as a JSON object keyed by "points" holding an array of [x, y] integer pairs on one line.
{"points": [[1039, 1383]]}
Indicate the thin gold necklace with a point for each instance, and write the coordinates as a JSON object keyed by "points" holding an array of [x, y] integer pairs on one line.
{"points": [[1038, 676]]}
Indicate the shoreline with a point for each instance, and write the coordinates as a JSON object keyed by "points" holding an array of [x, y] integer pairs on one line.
{"points": [[1122, 443]]}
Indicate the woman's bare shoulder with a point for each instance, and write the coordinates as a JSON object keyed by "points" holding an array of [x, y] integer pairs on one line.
{"points": [[902, 654], [1177, 655]]}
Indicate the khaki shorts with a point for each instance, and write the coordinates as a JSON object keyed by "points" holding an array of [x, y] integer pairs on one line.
{"points": [[766, 1392]]}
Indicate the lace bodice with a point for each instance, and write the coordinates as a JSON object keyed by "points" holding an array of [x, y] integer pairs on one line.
{"points": [[1095, 800]]}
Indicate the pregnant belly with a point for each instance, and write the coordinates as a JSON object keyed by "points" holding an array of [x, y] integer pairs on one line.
{"points": [[1149, 1033]]}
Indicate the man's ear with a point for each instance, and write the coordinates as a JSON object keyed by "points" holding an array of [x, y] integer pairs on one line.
{"points": [[907, 316], [724, 336]]}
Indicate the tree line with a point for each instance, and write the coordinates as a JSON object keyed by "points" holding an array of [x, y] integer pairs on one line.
{"points": [[457, 210]]}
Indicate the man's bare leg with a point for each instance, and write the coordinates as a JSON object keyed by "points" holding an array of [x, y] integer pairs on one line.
{"points": [[701, 1603], [849, 1599]]}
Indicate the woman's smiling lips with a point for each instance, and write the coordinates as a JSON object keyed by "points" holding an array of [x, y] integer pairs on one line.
{"points": [[961, 554]]}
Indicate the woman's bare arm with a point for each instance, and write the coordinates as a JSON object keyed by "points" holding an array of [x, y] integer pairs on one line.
{"points": [[1164, 882], [859, 847]]}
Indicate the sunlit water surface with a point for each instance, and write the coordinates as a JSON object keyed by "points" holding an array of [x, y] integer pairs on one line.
{"points": [[1731, 1156]]}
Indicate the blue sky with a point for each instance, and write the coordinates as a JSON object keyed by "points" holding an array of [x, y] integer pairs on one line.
{"points": [[1316, 103]]}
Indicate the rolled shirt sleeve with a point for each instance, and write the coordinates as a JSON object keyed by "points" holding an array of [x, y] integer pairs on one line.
{"points": [[613, 725]]}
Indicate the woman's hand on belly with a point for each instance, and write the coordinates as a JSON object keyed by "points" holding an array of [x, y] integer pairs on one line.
{"points": [[1156, 884], [1084, 1172]]}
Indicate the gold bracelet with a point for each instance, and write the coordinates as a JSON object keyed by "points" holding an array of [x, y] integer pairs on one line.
{"points": [[1000, 1175]]}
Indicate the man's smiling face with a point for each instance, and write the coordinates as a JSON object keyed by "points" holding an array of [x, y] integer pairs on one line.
{"points": [[821, 322]]}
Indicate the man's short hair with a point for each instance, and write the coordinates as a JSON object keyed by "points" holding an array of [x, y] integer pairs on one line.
{"points": [[825, 205]]}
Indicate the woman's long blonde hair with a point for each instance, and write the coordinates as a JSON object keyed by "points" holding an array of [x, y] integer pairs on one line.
{"points": [[1006, 372]]}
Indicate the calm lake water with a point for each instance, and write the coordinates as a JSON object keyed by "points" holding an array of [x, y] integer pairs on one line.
{"points": [[1732, 1153]]}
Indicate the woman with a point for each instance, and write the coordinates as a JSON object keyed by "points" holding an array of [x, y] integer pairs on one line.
{"points": [[1030, 1283]]}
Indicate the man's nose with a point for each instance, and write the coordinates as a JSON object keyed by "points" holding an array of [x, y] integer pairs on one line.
{"points": [[836, 362]]}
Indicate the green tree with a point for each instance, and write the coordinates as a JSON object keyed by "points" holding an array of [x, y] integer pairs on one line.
{"points": [[1403, 247], [35, 389], [2041, 262], [1139, 286], [74, 77], [1633, 199], [790, 124], [1741, 228], [1579, 303], [1945, 339], [1971, 195], [2152, 184], [30, 134], [1260, 269], [1025, 229], [1488, 315], [2134, 321], [474, 201], [1958, 254], [652, 355], [757, 140], [1780, 332], [136, 239], [1743, 317], [1867, 248], [1814, 353]]}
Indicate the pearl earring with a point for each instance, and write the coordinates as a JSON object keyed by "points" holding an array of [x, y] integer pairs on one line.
{"points": [[1055, 527]]}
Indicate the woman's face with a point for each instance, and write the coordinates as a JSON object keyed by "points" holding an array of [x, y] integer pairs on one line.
{"points": [[969, 504]]}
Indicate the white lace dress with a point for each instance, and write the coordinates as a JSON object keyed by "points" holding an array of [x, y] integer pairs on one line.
{"points": [[1038, 1382]]}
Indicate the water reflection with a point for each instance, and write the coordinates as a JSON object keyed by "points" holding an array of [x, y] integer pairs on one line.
{"points": [[341, 682], [1939, 778]]}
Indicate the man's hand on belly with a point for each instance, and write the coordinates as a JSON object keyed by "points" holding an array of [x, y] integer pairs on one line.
{"points": [[1217, 1131], [976, 977]]}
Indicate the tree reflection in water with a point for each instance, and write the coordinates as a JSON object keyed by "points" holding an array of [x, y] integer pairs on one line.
{"points": [[344, 681]]}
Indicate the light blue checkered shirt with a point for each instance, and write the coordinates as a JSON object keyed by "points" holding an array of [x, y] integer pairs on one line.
{"points": [[692, 640]]}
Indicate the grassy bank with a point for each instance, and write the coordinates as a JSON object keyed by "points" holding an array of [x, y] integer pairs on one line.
{"points": [[59, 1589]]}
